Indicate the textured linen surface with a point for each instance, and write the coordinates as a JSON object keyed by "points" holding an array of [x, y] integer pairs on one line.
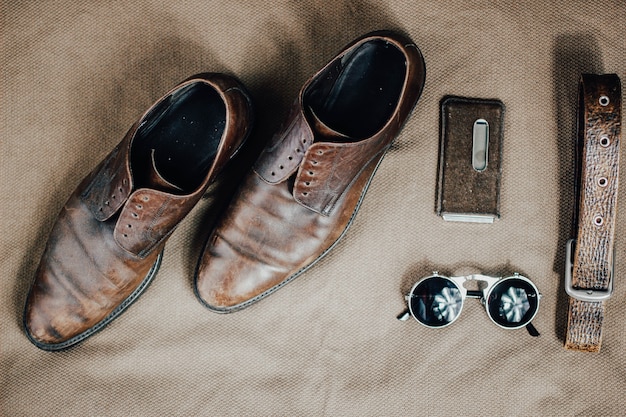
{"points": [[76, 75]]}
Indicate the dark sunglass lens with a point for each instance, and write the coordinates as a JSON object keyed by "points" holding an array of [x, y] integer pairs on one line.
{"points": [[513, 302], [436, 302]]}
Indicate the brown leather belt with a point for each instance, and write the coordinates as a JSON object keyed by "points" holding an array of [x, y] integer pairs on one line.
{"points": [[589, 257]]}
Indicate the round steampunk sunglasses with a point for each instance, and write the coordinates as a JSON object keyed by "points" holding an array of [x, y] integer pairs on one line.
{"points": [[511, 302]]}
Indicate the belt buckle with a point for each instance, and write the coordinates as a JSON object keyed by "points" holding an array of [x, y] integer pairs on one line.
{"points": [[589, 295]]}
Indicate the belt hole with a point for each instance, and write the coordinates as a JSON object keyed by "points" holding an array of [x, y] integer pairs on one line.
{"points": [[598, 220], [603, 181], [605, 141], [604, 101]]}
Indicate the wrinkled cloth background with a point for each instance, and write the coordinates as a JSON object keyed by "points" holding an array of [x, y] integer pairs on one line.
{"points": [[76, 75]]}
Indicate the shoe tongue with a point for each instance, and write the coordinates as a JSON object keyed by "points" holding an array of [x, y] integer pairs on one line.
{"points": [[156, 180], [324, 133]]}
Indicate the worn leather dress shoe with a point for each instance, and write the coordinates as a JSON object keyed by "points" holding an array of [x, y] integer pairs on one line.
{"points": [[106, 244], [308, 183]]}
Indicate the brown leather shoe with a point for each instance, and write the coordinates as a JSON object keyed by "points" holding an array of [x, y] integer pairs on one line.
{"points": [[308, 183], [106, 245]]}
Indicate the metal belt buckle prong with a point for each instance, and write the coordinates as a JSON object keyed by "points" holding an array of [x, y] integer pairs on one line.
{"points": [[582, 294]]}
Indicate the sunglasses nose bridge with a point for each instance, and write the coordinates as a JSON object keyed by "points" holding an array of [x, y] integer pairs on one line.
{"points": [[485, 278], [485, 282]]}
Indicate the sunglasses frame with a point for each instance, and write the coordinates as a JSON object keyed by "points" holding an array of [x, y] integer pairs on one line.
{"points": [[486, 286]]}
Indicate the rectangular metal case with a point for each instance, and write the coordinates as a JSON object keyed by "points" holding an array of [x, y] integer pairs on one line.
{"points": [[470, 159]]}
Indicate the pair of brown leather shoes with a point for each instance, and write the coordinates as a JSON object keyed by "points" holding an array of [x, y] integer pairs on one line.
{"points": [[291, 208]]}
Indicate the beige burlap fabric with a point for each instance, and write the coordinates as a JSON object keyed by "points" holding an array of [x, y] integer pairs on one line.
{"points": [[76, 75]]}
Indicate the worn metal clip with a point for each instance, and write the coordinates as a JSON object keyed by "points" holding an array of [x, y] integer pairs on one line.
{"points": [[480, 145]]}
